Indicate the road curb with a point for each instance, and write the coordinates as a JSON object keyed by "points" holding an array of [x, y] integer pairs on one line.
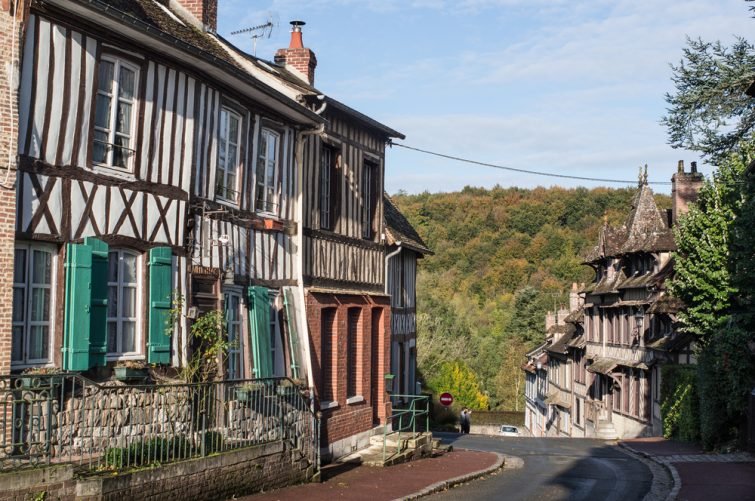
{"points": [[446, 484], [675, 479]]}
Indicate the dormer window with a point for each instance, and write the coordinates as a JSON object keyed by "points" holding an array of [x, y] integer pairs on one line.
{"points": [[114, 124]]}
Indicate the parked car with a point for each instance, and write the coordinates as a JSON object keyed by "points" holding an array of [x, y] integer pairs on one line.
{"points": [[509, 431]]}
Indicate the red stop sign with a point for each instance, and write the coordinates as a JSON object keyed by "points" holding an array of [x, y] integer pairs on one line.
{"points": [[446, 399]]}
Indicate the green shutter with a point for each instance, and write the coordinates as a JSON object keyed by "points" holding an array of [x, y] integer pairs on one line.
{"points": [[98, 301], [293, 333], [259, 331], [77, 307], [160, 289]]}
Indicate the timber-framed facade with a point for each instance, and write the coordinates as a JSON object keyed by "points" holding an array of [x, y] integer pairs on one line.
{"points": [[142, 186]]}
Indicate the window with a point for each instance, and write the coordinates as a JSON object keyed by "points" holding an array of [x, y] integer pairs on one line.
{"points": [[123, 284], [329, 195], [114, 123], [267, 167], [369, 197], [233, 325], [227, 174], [577, 411], [32, 303]]}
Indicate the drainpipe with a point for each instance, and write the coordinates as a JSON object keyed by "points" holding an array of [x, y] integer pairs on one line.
{"points": [[387, 260], [302, 312]]}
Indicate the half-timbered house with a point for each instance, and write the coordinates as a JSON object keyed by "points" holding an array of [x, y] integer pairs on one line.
{"points": [[152, 167], [629, 320], [343, 250], [405, 247]]}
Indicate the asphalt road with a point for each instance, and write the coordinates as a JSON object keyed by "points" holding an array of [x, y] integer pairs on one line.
{"points": [[554, 469]]}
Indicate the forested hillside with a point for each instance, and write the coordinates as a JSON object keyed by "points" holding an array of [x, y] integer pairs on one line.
{"points": [[503, 257]]}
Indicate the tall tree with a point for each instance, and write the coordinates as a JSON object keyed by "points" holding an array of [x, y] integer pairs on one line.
{"points": [[702, 273], [709, 112]]}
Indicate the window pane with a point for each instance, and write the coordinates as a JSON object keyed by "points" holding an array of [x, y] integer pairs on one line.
{"points": [[123, 118], [112, 336], [129, 302], [40, 305], [223, 129], [112, 275], [100, 147], [129, 268], [102, 112], [128, 341], [112, 301], [17, 349], [105, 76], [19, 266], [121, 151], [126, 82], [271, 147], [19, 299], [38, 342], [234, 129], [41, 271], [232, 158]]}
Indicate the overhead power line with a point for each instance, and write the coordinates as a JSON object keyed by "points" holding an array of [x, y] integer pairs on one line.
{"points": [[524, 171]]}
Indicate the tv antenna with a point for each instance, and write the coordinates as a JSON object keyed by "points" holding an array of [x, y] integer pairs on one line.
{"points": [[259, 31]]}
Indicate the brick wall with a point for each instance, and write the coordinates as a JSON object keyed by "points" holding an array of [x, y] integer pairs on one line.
{"points": [[10, 50], [205, 11], [351, 415]]}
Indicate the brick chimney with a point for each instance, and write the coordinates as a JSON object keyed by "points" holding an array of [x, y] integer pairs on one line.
{"points": [[204, 11], [298, 57], [685, 187]]}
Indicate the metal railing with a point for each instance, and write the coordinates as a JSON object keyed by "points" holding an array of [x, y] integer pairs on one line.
{"points": [[407, 413], [66, 418]]}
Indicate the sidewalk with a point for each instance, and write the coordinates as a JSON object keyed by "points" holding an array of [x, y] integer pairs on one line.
{"points": [[402, 481], [700, 476]]}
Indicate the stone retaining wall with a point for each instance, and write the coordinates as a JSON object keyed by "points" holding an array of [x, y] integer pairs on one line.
{"points": [[223, 476]]}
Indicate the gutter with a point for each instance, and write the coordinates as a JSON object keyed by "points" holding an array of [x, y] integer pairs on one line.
{"points": [[387, 259]]}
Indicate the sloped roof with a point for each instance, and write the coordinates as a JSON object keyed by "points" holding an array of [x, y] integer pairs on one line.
{"points": [[645, 230], [298, 88], [398, 228], [160, 17]]}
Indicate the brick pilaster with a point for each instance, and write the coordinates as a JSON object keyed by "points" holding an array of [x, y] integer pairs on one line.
{"points": [[10, 55]]}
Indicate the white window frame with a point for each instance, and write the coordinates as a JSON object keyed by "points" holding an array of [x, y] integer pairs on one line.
{"points": [[26, 323], [119, 354], [115, 99], [268, 180], [235, 343], [232, 166]]}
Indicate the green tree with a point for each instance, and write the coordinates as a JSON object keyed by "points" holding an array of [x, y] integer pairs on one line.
{"points": [[460, 381], [709, 111]]}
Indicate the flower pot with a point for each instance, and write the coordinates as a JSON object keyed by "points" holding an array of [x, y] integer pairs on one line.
{"points": [[130, 374]]}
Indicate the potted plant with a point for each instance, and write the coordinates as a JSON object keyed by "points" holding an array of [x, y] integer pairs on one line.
{"points": [[249, 392], [131, 370]]}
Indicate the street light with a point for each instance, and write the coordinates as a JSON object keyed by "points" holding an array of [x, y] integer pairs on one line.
{"points": [[639, 319]]}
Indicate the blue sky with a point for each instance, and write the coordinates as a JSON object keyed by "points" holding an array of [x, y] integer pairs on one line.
{"points": [[563, 86]]}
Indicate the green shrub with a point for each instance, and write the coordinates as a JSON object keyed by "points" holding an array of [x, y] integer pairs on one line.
{"points": [[680, 402]]}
